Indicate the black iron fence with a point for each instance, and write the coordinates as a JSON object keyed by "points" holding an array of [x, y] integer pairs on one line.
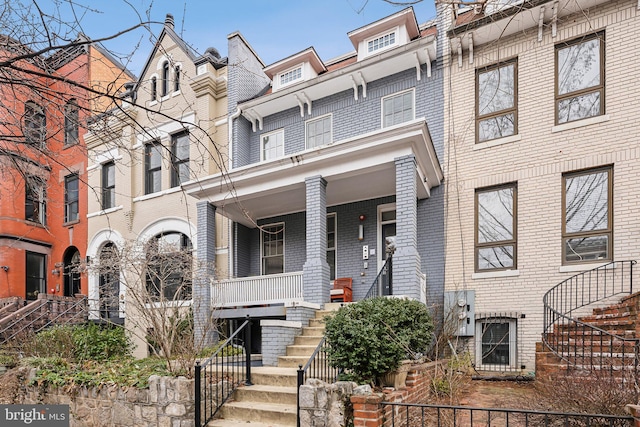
{"points": [[425, 415], [588, 345], [220, 375], [383, 283]]}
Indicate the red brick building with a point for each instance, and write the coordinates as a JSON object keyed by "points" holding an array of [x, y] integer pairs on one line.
{"points": [[44, 107]]}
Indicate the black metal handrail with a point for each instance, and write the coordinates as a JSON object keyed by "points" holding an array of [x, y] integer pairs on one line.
{"points": [[413, 414], [218, 377], [316, 367], [579, 343], [376, 287]]}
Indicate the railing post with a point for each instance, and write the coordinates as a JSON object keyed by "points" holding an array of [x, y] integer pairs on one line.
{"points": [[198, 394], [300, 382], [247, 351]]}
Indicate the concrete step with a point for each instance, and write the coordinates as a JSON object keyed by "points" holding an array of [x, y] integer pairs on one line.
{"points": [[240, 423], [310, 340], [275, 376], [279, 413], [301, 350], [313, 331], [292, 361], [267, 394], [316, 323]]}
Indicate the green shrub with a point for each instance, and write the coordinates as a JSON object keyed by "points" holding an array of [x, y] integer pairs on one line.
{"points": [[371, 337]]}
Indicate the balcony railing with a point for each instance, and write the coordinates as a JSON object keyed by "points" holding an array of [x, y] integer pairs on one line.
{"points": [[257, 290]]}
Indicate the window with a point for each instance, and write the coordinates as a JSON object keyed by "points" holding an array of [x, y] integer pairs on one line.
{"points": [[496, 103], [495, 242], [496, 342], [179, 159], [71, 123], [176, 79], [381, 42], [291, 76], [109, 281], [36, 279], [319, 132], [397, 108], [331, 244], [273, 249], [71, 194], [108, 185], [169, 262], [154, 88], [35, 124], [273, 145], [152, 167], [71, 272], [35, 201], [580, 78], [165, 78], [587, 230]]}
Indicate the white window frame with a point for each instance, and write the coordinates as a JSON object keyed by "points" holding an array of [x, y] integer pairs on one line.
{"points": [[284, 245], [291, 70], [401, 93], [311, 121], [513, 344], [334, 248], [262, 151], [396, 34]]}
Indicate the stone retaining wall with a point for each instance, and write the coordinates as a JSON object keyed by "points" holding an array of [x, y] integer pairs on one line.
{"points": [[168, 402]]}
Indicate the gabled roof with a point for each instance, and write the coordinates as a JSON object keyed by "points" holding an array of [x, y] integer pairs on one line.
{"points": [[307, 55], [405, 16]]}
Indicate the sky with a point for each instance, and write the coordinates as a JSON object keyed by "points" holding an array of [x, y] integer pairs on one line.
{"points": [[275, 29]]}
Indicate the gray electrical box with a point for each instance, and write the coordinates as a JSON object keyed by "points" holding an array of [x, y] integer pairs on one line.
{"points": [[460, 312]]}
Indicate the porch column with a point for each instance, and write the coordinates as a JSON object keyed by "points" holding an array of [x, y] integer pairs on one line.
{"points": [[204, 328], [406, 260], [316, 274]]}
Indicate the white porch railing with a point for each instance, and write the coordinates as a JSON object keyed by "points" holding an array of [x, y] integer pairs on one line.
{"points": [[257, 290]]}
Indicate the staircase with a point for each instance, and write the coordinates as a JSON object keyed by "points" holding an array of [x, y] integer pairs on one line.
{"points": [[605, 341], [272, 399], [47, 310]]}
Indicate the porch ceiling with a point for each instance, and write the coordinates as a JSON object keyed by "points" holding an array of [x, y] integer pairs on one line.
{"points": [[355, 169]]}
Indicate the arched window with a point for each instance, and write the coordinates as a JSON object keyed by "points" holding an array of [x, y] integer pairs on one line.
{"points": [[71, 272], [35, 124], [169, 267], [109, 281], [165, 78], [176, 79], [154, 88], [71, 123]]}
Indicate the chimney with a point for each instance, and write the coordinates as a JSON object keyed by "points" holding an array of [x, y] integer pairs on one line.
{"points": [[168, 22]]}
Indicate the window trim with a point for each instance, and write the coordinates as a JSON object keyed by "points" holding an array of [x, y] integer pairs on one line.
{"points": [[34, 112], [42, 202], [513, 341], [175, 162], [68, 203], [264, 135], [281, 74], [281, 226], [511, 242], [147, 167], [316, 119], [608, 231], [186, 246], [71, 124], [396, 35], [165, 79], [514, 109], [334, 248], [106, 188], [600, 35], [402, 92], [43, 279]]}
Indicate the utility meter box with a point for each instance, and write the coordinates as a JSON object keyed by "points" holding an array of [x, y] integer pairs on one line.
{"points": [[460, 311]]}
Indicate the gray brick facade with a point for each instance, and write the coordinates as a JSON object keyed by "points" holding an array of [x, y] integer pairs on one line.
{"points": [[205, 333], [316, 270], [276, 336]]}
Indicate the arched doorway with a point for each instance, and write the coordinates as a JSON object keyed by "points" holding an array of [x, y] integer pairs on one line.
{"points": [[109, 282], [71, 271]]}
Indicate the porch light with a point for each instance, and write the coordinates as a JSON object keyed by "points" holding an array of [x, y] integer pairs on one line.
{"points": [[361, 227]]}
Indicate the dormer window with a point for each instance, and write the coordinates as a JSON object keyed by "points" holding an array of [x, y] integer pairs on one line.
{"points": [[291, 76], [381, 42]]}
